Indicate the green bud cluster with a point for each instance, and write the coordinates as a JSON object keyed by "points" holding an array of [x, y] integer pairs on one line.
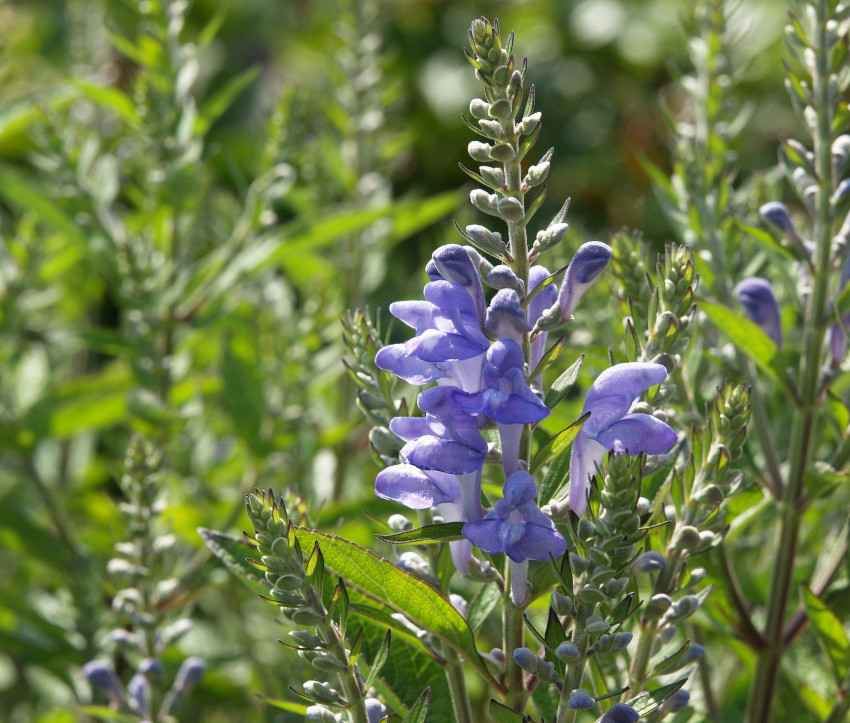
{"points": [[671, 306], [375, 387], [629, 264]]}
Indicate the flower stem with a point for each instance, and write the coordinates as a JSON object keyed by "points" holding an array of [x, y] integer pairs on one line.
{"points": [[457, 686], [575, 674], [512, 638], [804, 420]]}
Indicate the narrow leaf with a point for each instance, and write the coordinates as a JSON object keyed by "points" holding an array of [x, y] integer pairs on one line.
{"points": [[830, 634], [232, 552], [380, 659], [558, 444], [444, 532], [419, 711], [646, 703], [220, 101], [563, 384]]}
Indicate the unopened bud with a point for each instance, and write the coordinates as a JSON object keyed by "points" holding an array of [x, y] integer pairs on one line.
{"points": [[649, 562], [526, 660], [479, 151], [657, 606], [620, 713], [479, 109], [321, 692], [580, 700], [510, 209], [595, 625], [568, 653]]}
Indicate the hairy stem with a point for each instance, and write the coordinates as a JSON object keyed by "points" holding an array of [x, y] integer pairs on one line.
{"points": [[804, 420]]}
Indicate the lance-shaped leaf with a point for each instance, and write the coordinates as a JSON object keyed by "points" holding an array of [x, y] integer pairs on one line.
{"points": [[646, 703], [379, 660], [830, 634], [232, 551], [419, 712], [563, 384], [416, 600], [445, 532]]}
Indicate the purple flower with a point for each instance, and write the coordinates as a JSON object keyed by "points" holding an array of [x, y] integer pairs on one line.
{"points": [[611, 427], [139, 691], [190, 673], [756, 296], [837, 336], [517, 527], [103, 676], [422, 489], [506, 318], [588, 263], [777, 215], [452, 263]]}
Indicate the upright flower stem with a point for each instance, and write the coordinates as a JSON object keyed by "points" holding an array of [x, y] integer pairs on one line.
{"points": [[575, 674], [512, 638], [805, 416]]}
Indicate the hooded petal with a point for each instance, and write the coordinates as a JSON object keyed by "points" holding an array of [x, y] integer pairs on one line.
{"points": [[433, 453], [485, 534], [415, 488], [396, 359], [537, 543], [588, 263], [637, 433], [505, 316], [454, 264], [615, 390]]}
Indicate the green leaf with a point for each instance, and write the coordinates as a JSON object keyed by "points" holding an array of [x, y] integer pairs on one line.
{"points": [[830, 634], [487, 597], [22, 193], [232, 551], [502, 714], [549, 357], [671, 662], [749, 339], [842, 303], [215, 106], [110, 98], [298, 708], [243, 388], [558, 444], [416, 600], [103, 712], [562, 385], [766, 239], [379, 660], [444, 532], [646, 703], [419, 712]]}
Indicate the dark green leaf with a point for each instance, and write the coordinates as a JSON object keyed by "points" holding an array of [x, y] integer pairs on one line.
{"points": [[646, 703], [562, 385], [558, 444], [232, 551], [419, 712], [444, 532], [830, 634]]}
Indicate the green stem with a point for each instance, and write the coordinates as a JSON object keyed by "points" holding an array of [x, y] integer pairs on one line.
{"points": [[575, 673], [804, 421], [512, 638], [457, 686]]}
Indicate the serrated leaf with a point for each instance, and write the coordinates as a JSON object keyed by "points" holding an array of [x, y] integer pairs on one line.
{"points": [[563, 384], [646, 703], [232, 551], [419, 712], [749, 339], [444, 532], [415, 599], [830, 634]]}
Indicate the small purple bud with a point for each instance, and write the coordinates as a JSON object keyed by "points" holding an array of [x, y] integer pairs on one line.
{"points": [[580, 700], [649, 562], [675, 702], [189, 674], [842, 190], [150, 666], [506, 317], [139, 691], [756, 296], [568, 652], [620, 713], [776, 214], [103, 676], [588, 263], [693, 653], [375, 710], [526, 660]]}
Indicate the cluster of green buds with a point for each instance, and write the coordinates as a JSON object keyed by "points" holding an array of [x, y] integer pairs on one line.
{"points": [[665, 301], [296, 585], [629, 265], [375, 387]]}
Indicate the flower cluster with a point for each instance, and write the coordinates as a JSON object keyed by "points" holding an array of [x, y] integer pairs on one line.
{"points": [[477, 383]]}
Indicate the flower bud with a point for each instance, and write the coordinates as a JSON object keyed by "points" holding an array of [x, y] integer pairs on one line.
{"points": [[580, 700], [103, 676], [620, 713], [648, 562], [657, 606], [500, 109], [307, 617], [595, 625], [328, 663], [502, 152], [529, 123], [479, 109], [190, 673], [536, 174], [587, 264], [321, 692], [503, 277], [510, 209], [526, 660], [675, 702], [320, 714], [375, 710], [685, 538], [484, 201], [561, 604], [777, 215], [479, 151], [756, 296], [306, 639], [568, 653], [493, 176]]}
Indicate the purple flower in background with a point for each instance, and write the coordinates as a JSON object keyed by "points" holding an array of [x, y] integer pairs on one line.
{"points": [[517, 527], [103, 676], [611, 427], [756, 296], [837, 336], [777, 215], [588, 263]]}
